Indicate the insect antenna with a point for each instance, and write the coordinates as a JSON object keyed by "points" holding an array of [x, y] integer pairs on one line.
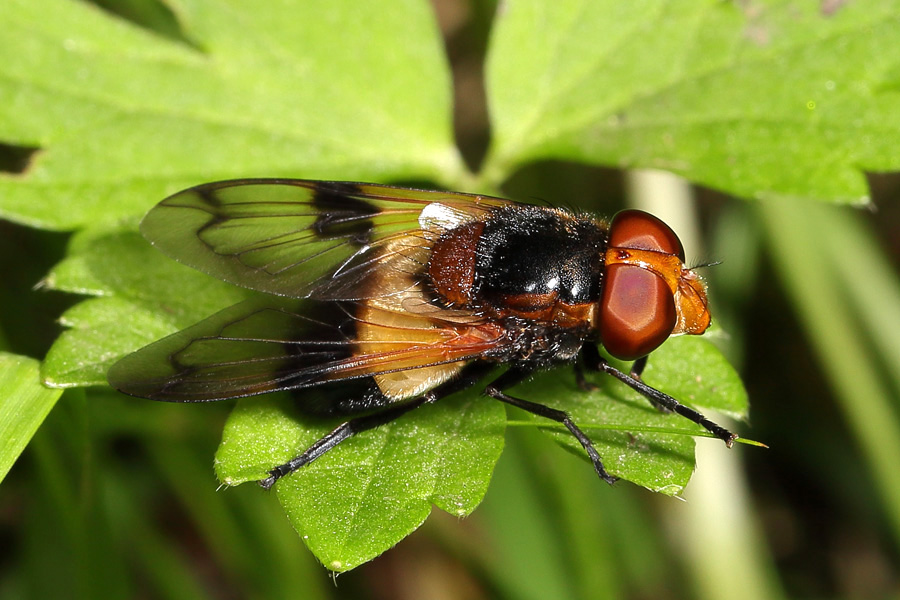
{"points": [[705, 264]]}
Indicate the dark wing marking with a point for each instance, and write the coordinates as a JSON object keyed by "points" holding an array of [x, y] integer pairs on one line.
{"points": [[299, 238], [271, 344]]}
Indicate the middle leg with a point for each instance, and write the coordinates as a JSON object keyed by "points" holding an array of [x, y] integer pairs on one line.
{"points": [[516, 375]]}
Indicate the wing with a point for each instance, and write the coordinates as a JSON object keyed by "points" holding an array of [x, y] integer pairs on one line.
{"points": [[276, 344], [300, 238]]}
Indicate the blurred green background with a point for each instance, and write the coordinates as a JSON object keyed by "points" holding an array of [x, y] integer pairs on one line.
{"points": [[116, 498]]}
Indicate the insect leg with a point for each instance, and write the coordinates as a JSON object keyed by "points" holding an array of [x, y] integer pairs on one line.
{"points": [[338, 435], [583, 384], [516, 375], [658, 398], [592, 358], [637, 367], [468, 377]]}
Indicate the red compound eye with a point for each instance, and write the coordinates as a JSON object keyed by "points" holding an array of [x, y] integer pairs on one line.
{"points": [[637, 311], [638, 230]]}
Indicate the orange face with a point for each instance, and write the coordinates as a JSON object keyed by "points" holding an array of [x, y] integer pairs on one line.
{"points": [[648, 292]]}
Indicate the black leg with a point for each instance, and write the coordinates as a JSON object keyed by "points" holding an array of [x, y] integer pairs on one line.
{"points": [[583, 384], [638, 367], [658, 398], [514, 376], [469, 376]]}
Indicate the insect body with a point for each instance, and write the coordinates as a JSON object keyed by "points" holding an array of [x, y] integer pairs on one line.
{"points": [[387, 298]]}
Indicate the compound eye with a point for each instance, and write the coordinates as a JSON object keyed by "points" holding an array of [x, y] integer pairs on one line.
{"points": [[637, 311], [642, 231]]}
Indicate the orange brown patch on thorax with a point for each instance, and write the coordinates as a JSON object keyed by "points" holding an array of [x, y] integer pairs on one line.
{"points": [[451, 267]]}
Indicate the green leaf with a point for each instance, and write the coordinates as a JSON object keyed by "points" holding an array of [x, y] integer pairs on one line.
{"points": [[764, 99], [23, 406], [371, 491], [636, 441], [122, 117]]}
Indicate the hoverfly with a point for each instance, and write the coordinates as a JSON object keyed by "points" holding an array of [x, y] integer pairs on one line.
{"points": [[391, 298]]}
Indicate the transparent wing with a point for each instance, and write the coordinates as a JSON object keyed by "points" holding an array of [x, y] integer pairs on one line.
{"points": [[300, 238], [272, 344]]}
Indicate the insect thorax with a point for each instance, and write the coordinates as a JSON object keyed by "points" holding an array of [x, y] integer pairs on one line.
{"points": [[540, 345]]}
